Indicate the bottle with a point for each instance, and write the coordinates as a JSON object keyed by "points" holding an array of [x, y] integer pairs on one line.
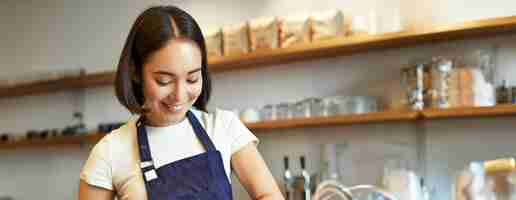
{"points": [[288, 179], [306, 178]]}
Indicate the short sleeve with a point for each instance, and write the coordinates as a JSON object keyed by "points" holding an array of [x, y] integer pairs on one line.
{"points": [[239, 133], [97, 170]]}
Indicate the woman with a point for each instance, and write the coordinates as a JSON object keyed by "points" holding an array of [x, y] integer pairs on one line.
{"points": [[173, 148]]}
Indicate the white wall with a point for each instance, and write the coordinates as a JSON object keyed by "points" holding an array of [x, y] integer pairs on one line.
{"points": [[59, 34]]}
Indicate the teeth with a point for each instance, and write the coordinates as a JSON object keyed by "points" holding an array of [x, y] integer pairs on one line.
{"points": [[174, 108]]}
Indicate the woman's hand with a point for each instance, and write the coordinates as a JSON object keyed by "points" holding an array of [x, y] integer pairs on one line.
{"points": [[89, 192], [254, 175]]}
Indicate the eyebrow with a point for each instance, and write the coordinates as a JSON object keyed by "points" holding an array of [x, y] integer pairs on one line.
{"points": [[171, 74]]}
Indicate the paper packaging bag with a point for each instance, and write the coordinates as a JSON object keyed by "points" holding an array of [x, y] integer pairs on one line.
{"points": [[235, 39], [263, 33], [327, 25], [294, 30], [214, 42]]}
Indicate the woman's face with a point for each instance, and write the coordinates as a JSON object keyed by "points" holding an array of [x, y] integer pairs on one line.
{"points": [[172, 81]]}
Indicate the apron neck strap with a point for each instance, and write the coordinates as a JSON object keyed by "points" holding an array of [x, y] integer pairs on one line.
{"points": [[143, 141], [200, 132]]}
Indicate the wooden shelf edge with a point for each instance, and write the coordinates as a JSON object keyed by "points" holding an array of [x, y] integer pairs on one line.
{"points": [[57, 141], [498, 110], [387, 116], [47, 86], [375, 117]]}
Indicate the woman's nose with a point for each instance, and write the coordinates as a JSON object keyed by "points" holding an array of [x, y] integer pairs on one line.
{"points": [[179, 93]]}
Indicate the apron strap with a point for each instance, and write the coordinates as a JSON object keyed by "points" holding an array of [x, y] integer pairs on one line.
{"points": [[200, 132], [146, 162]]}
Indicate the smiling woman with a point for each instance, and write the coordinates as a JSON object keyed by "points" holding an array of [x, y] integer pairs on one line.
{"points": [[173, 148], [172, 82]]}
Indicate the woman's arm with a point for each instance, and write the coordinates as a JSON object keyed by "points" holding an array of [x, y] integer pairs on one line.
{"points": [[89, 192], [254, 175]]}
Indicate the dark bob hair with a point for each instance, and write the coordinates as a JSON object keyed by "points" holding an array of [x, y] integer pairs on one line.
{"points": [[150, 32]]}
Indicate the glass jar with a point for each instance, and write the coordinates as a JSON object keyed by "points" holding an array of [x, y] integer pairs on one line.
{"points": [[362, 104], [317, 107], [475, 71], [441, 75], [329, 106], [268, 112], [284, 111], [412, 80], [339, 105], [309, 107]]}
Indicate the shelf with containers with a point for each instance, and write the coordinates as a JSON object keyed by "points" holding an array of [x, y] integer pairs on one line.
{"points": [[339, 120], [52, 142], [302, 52], [314, 50]]}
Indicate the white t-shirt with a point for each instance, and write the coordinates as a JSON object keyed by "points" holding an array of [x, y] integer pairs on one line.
{"points": [[114, 162]]}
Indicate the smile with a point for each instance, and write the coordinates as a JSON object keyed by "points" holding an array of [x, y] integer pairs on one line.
{"points": [[174, 108]]}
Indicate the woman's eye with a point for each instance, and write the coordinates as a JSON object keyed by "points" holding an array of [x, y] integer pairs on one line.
{"points": [[162, 82], [193, 80]]}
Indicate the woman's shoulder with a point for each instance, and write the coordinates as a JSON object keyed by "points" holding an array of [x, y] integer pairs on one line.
{"points": [[122, 136]]}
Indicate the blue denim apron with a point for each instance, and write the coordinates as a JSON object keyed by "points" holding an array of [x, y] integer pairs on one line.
{"points": [[200, 177]]}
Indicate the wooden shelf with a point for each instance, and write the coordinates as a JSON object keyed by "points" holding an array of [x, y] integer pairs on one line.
{"points": [[336, 120], [499, 110], [41, 87], [376, 117], [57, 141], [351, 45], [319, 49]]}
